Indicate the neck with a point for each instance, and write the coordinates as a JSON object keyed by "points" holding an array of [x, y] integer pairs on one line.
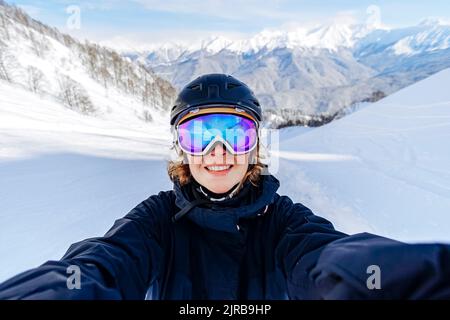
{"points": [[218, 196]]}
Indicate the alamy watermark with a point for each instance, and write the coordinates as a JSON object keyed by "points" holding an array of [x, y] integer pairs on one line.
{"points": [[374, 280], [74, 279], [73, 22], [373, 15]]}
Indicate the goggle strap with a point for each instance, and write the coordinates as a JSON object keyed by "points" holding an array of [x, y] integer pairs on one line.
{"points": [[211, 110]]}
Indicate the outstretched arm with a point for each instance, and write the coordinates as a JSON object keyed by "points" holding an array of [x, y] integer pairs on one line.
{"points": [[120, 265], [367, 266], [304, 237], [322, 263]]}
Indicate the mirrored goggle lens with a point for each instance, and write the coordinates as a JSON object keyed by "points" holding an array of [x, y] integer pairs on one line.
{"points": [[196, 134]]}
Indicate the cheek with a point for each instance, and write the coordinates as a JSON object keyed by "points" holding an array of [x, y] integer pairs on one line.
{"points": [[195, 166], [240, 170]]}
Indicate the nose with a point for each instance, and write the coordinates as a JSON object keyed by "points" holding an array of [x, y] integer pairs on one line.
{"points": [[218, 149]]}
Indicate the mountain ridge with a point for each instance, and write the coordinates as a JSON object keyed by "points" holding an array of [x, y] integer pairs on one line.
{"points": [[85, 77], [319, 73]]}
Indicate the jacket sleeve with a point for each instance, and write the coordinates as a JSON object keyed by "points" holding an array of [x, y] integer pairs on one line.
{"points": [[119, 265], [367, 266], [322, 263], [303, 237]]}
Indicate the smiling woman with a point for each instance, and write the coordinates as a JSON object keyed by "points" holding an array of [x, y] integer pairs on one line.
{"points": [[216, 121]]}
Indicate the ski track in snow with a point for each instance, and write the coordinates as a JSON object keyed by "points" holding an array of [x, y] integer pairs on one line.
{"points": [[297, 185], [51, 201]]}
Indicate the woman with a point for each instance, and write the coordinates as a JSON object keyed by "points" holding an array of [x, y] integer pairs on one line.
{"points": [[224, 232]]}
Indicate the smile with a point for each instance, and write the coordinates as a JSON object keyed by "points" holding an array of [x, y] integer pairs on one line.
{"points": [[218, 168]]}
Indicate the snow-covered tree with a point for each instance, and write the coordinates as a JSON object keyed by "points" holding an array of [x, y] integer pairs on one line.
{"points": [[74, 96], [39, 44], [35, 79], [4, 27], [5, 59]]}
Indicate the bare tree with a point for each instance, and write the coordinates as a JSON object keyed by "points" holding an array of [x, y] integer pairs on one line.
{"points": [[147, 115], [166, 90], [39, 43], [4, 26], [35, 79], [150, 93], [4, 63], [67, 40], [21, 16], [117, 68], [74, 96], [92, 59], [104, 74]]}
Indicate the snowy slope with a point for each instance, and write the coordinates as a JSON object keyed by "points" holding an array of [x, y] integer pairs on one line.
{"points": [[67, 176], [116, 88], [383, 169]]}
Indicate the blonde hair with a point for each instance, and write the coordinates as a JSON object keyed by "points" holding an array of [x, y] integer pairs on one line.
{"points": [[179, 171]]}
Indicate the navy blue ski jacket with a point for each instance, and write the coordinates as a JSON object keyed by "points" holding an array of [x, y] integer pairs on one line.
{"points": [[256, 245]]}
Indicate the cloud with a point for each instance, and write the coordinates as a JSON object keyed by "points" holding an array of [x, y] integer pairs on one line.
{"points": [[192, 35], [346, 16], [225, 9], [105, 5]]}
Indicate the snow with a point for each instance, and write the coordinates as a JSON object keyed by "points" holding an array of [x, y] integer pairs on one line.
{"points": [[329, 36], [402, 47], [215, 44], [430, 34], [45, 122], [383, 169], [66, 177]]}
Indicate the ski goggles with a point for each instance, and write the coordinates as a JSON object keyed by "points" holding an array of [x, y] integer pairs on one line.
{"points": [[198, 134]]}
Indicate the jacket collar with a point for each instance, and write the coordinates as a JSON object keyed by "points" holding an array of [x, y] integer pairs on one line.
{"points": [[225, 216]]}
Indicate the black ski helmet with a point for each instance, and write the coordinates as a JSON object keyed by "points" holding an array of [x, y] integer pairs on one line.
{"points": [[215, 89]]}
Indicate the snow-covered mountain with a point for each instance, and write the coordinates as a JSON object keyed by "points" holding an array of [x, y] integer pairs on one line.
{"points": [[412, 52], [84, 77], [331, 36], [322, 70]]}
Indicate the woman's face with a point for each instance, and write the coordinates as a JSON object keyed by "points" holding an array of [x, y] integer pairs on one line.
{"points": [[218, 170]]}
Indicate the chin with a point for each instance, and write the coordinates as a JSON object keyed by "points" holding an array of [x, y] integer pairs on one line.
{"points": [[220, 189]]}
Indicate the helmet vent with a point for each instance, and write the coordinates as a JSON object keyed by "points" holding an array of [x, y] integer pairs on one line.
{"points": [[255, 102], [213, 91], [231, 85], [196, 87]]}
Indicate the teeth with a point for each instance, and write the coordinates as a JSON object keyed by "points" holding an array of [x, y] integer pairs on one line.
{"points": [[218, 168]]}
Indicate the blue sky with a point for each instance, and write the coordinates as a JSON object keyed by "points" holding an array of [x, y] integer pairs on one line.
{"points": [[140, 21]]}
